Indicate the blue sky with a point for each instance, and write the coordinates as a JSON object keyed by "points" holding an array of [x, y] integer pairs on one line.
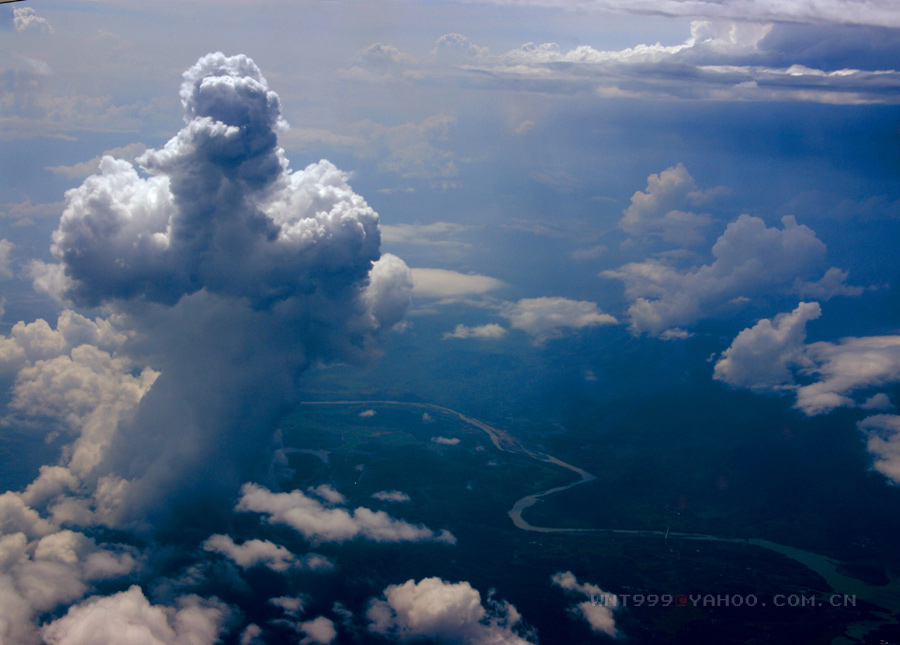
{"points": [[541, 179]]}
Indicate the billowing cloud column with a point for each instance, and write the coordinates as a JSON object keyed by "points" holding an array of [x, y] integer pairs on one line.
{"points": [[231, 273]]}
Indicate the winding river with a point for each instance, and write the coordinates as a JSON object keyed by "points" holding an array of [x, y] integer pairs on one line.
{"points": [[887, 597]]}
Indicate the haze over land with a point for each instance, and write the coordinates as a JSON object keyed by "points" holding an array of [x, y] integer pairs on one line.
{"points": [[653, 241]]}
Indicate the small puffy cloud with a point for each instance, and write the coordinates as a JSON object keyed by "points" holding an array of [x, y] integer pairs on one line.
{"points": [[6, 248], [251, 635], [388, 292], [444, 612], [833, 283], [764, 355], [292, 606], [367, 413], [128, 618], [879, 401], [490, 331], [545, 318], [567, 580], [328, 493], [675, 333], [319, 523], [17, 517], [383, 58], [318, 630], [598, 610], [25, 19], [395, 496], [661, 209], [842, 368], [883, 442], [457, 49], [85, 169], [445, 441], [254, 553], [51, 481], [451, 285], [772, 354], [750, 259]]}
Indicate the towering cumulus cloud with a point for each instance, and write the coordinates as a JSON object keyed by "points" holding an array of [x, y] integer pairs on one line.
{"points": [[227, 273]]}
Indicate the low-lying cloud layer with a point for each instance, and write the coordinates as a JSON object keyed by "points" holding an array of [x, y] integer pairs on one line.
{"points": [[729, 55]]}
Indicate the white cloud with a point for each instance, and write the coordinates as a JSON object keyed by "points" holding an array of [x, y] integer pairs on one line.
{"points": [[445, 612], [292, 606], [367, 413], [879, 401], [75, 375], [850, 365], [883, 442], [833, 283], [251, 635], [490, 331], [674, 333], [750, 259], [660, 209], [317, 630], [388, 293], [319, 523], [394, 496], [25, 19], [456, 49], [598, 611], [451, 285], [545, 318], [383, 60], [328, 493], [764, 355], [39, 574], [445, 441], [721, 59], [219, 228], [127, 618], [719, 37], [770, 355], [254, 553]]}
